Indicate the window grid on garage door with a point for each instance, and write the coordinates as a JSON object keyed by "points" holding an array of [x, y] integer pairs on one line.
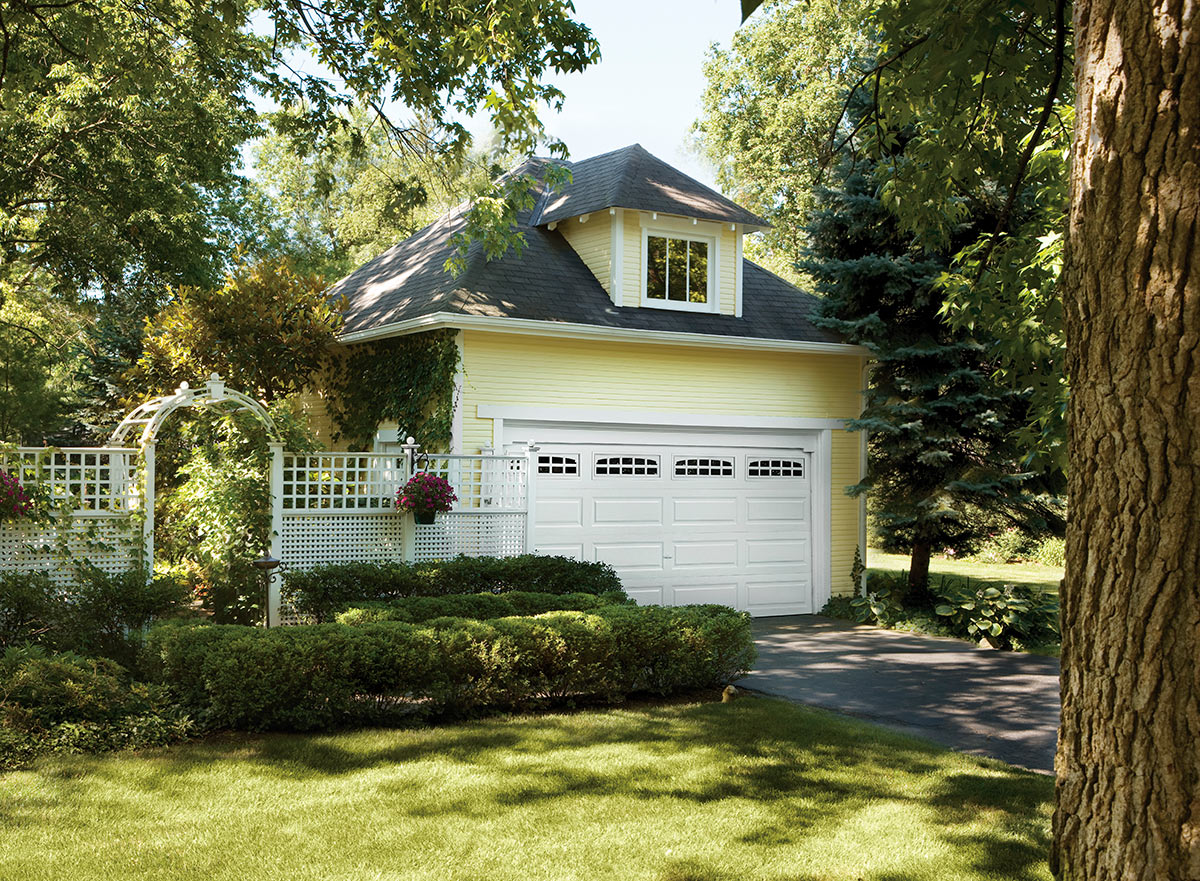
{"points": [[775, 468], [626, 466], [558, 465], [702, 466]]}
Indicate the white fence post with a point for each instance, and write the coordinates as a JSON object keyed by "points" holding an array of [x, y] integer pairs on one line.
{"points": [[148, 504], [408, 535], [530, 493], [276, 538]]}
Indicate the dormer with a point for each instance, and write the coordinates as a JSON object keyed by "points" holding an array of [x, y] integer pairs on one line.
{"points": [[652, 236]]}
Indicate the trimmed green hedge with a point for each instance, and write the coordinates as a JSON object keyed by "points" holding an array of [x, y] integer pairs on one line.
{"points": [[478, 606], [324, 591], [62, 702], [324, 676]]}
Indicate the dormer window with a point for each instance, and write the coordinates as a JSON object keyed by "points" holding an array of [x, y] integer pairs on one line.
{"points": [[676, 269], [679, 263]]}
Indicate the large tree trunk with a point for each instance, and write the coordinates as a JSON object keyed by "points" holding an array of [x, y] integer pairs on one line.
{"points": [[1128, 768]]}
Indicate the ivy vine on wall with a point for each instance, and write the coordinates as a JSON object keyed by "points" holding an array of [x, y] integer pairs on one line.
{"points": [[408, 380]]}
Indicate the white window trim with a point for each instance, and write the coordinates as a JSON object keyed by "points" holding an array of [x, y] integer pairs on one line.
{"points": [[695, 231]]}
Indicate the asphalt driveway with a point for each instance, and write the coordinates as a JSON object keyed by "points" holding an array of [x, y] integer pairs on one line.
{"points": [[989, 703]]}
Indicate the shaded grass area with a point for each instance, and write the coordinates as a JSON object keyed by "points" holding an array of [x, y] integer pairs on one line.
{"points": [[1046, 577], [756, 789]]}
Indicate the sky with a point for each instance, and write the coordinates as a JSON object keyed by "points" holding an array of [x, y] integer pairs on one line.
{"points": [[646, 88]]}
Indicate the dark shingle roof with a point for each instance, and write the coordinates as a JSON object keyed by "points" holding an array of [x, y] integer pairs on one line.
{"points": [[634, 178], [548, 282]]}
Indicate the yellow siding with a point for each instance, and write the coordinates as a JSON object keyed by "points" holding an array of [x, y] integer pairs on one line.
{"points": [[592, 241], [539, 371], [316, 414]]}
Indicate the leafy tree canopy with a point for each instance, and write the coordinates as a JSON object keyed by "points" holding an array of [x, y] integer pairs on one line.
{"points": [[265, 331], [981, 94], [982, 91], [121, 122], [770, 104]]}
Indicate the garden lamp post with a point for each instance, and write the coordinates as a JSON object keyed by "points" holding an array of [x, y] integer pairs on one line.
{"points": [[266, 564]]}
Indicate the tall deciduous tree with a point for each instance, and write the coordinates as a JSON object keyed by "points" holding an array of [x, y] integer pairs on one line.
{"points": [[1128, 768], [770, 103]]}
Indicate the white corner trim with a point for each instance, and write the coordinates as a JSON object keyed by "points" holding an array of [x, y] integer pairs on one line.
{"points": [[569, 330], [596, 415], [460, 379], [822, 527], [737, 272], [616, 271]]}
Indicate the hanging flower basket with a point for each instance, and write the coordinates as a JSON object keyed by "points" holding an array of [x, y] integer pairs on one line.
{"points": [[425, 495]]}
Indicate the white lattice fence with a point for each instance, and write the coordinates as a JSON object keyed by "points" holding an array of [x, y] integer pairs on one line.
{"points": [[489, 519], [337, 507], [95, 493]]}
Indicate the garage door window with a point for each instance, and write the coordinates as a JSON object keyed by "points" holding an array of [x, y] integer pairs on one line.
{"points": [[702, 467], [626, 466], [775, 468], [558, 466]]}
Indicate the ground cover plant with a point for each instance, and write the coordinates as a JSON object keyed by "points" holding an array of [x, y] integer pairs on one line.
{"points": [[1007, 605], [704, 791]]}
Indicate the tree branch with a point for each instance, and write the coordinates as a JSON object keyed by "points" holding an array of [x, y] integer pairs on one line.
{"points": [[1060, 54]]}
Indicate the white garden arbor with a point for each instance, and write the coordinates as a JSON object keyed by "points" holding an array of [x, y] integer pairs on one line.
{"points": [[147, 419]]}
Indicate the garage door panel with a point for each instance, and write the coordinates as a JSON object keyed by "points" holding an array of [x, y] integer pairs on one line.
{"points": [[565, 550], [772, 552], [645, 596], [792, 510], [559, 512], [705, 554], [627, 512], [722, 594], [706, 511], [630, 556], [776, 593]]}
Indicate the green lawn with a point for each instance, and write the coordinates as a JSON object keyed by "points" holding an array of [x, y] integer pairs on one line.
{"points": [[756, 789], [1047, 577]]}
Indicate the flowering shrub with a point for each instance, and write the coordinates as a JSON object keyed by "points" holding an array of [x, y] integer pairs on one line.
{"points": [[426, 493], [15, 502]]}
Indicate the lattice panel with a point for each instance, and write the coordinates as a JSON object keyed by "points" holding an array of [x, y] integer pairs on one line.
{"points": [[341, 481], [91, 480], [310, 540], [112, 544], [495, 482], [486, 534]]}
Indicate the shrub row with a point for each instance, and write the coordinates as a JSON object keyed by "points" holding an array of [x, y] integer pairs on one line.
{"points": [[324, 591], [478, 606], [62, 702], [323, 676], [103, 615]]}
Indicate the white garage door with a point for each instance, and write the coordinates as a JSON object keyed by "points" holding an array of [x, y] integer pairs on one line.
{"points": [[684, 522]]}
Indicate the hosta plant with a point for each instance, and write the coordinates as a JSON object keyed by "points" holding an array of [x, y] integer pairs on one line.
{"points": [[1004, 617]]}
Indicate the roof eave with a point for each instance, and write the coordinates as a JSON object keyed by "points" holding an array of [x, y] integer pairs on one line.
{"points": [[570, 330]]}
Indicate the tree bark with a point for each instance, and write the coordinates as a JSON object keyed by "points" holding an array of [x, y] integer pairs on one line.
{"points": [[918, 573], [1128, 766]]}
